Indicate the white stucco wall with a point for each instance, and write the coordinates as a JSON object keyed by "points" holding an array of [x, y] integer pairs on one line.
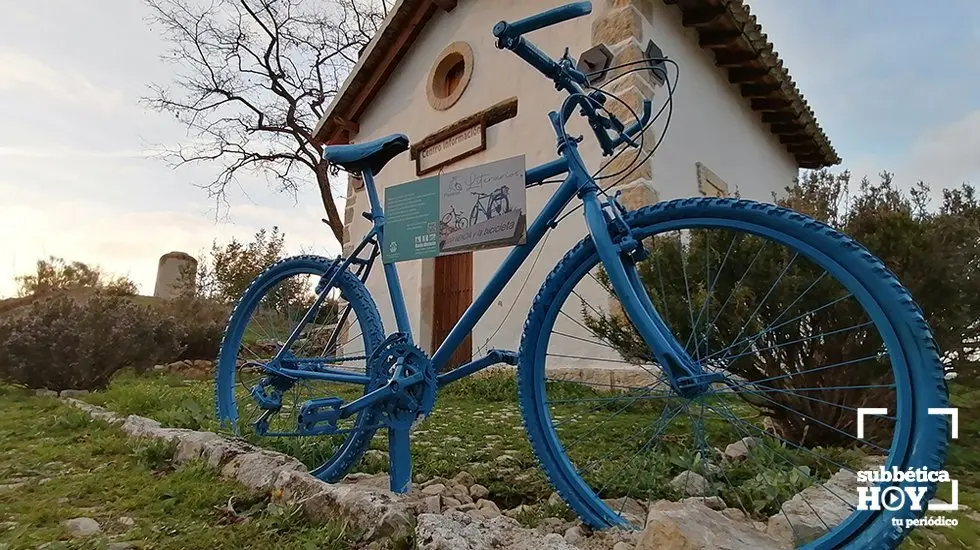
{"points": [[710, 124]]}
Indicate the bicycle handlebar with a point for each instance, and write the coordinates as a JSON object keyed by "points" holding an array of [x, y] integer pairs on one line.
{"points": [[553, 16], [565, 76]]}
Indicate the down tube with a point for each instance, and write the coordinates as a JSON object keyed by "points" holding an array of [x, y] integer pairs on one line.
{"points": [[511, 264]]}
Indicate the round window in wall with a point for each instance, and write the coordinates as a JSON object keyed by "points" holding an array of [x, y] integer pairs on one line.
{"points": [[449, 75]]}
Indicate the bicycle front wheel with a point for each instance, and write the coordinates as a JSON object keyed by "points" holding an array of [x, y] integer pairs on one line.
{"points": [[800, 326]]}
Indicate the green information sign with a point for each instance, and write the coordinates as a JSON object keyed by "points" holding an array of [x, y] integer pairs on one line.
{"points": [[471, 209]]}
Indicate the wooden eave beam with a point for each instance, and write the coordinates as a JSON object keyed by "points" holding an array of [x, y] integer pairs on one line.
{"points": [[759, 90], [779, 117], [446, 5], [770, 104], [701, 16], [718, 39], [734, 58], [745, 75]]}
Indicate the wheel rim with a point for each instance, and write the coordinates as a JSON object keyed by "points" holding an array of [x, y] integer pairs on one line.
{"points": [[580, 482]]}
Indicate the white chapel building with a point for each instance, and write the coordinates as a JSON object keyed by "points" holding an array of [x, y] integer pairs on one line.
{"points": [[432, 71]]}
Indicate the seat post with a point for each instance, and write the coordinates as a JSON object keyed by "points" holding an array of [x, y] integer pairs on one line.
{"points": [[377, 213]]}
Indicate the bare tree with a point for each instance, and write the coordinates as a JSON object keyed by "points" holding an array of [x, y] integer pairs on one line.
{"points": [[254, 78]]}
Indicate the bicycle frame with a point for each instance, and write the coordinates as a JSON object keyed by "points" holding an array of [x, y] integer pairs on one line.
{"points": [[599, 218]]}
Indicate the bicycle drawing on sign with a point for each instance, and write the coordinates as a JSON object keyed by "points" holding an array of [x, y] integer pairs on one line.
{"points": [[489, 205], [451, 221]]}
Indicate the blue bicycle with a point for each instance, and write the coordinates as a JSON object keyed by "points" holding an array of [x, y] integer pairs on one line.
{"points": [[723, 314]]}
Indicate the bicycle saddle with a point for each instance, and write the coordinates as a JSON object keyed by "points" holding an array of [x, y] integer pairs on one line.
{"points": [[370, 155]]}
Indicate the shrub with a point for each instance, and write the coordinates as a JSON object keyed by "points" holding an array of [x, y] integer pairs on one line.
{"points": [[60, 343], [200, 325], [55, 274]]}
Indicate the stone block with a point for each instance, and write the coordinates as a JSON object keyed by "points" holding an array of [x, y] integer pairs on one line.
{"points": [[636, 194], [617, 24]]}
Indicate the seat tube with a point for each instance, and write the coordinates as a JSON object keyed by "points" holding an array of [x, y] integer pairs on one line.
{"points": [[391, 272]]}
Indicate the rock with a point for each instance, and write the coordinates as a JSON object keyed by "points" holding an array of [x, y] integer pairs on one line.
{"points": [[713, 502], [434, 489], [488, 506], [690, 484], [554, 499], [465, 479], [519, 510], [379, 513], [73, 393], [82, 527], [119, 546], [693, 526], [211, 447], [574, 535], [260, 469], [466, 507], [550, 525], [431, 505], [434, 481], [623, 546], [740, 449], [815, 510], [733, 514], [127, 521], [630, 509], [450, 502], [458, 531], [198, 369], [481, 514], [460, 493], [478, 491], [45, 392]]}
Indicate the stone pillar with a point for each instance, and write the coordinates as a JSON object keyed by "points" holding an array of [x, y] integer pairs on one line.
{"points": [[620, 28], [176, 275]]}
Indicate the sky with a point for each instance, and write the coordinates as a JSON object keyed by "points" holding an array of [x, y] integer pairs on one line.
{"points": [[892, 82]]}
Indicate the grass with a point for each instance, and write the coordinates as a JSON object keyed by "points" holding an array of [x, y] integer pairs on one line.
{"points": [[477, 427], [59, 464]]}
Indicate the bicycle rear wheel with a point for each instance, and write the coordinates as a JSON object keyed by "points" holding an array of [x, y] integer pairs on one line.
{"points": [[802, 324], [265, 316]]}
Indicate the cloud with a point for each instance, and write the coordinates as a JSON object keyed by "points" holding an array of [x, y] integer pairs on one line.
{"points": [[943, 156], [63, 152], [22, 72]]}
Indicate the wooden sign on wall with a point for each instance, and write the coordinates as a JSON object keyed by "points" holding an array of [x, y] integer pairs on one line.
{"points": [[461, 139], [467, 141]]}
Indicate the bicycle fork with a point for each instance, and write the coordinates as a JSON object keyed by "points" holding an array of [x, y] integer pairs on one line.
{"points": [[619, 251]]}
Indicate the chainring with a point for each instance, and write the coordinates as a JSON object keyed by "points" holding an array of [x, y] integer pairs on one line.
{"points": [[412, 403]]}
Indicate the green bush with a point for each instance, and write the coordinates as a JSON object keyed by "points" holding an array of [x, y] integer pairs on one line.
{"points": [[62, 343], [200, 325]]}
